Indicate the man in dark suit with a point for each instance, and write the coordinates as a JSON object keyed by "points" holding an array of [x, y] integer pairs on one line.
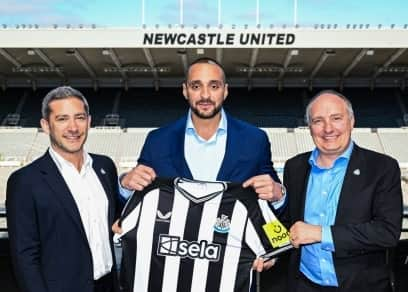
{"points": [[61, 206], [344, 206], [207, 144]]}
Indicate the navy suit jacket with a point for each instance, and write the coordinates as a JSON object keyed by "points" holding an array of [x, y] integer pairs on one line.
{"points": [[49, 247], [368, 218], [247, 152]]}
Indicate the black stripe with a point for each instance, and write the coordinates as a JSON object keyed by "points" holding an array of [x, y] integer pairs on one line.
{"points": [[248, 197], [215, 268], [191, 229], [162, 225], [244, 270], [128, 265]]}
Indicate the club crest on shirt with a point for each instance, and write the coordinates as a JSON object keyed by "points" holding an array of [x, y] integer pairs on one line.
{"points": [[222, 225], [163, 217]]}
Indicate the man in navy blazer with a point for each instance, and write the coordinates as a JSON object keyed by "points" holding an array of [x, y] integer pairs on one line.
{"points": [[207, 144], [247, 152], [61, 206], [174, 150], [344, 206]]}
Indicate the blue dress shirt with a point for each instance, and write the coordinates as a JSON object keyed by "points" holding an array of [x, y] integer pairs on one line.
{"points": [[204, 157], [323, 192]]}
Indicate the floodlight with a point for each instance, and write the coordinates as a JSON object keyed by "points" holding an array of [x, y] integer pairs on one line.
{"points": [[294, 52], [370, 52]]}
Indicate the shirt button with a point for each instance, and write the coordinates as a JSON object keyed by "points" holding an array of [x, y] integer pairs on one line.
{"points": [[323, 260], [324, 193], [321, 215], [327, 281]]}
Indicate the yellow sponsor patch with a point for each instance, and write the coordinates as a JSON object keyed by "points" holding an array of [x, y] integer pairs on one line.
{"points": [[277, 234]]}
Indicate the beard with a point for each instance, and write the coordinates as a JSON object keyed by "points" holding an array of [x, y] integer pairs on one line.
{"points": [[206, 115]]}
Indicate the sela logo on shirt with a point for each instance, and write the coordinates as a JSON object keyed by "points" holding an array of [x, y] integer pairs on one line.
{"points": [[169, 245], [163, 218], [222, 225]]}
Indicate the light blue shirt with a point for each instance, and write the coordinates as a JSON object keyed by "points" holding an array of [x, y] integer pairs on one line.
{"points": [[322, 197], [204, 157]]}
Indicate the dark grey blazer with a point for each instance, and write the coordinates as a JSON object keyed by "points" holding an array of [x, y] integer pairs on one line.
{"points": [[368, 218], [48, 244]]}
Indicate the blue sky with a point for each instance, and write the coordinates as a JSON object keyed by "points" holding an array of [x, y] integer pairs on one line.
{"points": [[127, 13]]}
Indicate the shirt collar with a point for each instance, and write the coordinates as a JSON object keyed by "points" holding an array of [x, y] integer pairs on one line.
{"points": [[222, 126], [345, 156], [62, 163]]}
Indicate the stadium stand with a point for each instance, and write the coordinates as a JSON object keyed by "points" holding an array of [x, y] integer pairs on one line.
{"points": [[40, 144], [264, 107], [368, 138], [395, 142], [8, 103], [130, 145], [15, 144], [144, 107], [29, 107], [283, 143], [22, 145], [374, 109], [104, 141]]}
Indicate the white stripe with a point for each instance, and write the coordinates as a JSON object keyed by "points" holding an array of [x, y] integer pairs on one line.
{"points": [[145, 240], [233, 248], [177, 224], [128, 223], [208, 219], [267, 212], [253, 240]]}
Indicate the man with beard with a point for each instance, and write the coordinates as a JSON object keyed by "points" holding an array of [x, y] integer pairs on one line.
{"points": [[61, 206], [207, 144]]}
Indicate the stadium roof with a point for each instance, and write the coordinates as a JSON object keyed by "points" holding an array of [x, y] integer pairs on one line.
{"points": [[263, 57]]}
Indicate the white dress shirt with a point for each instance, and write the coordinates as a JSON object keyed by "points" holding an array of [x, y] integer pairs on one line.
{"points": [[92, 203]]}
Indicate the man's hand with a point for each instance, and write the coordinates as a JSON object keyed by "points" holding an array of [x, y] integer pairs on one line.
{"points": [[303, 233], [265, 187], [138, 178], [260, 265], [116, 228]]}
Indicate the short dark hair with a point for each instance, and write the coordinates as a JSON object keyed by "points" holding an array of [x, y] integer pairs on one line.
{"points": [[332, 92], [207, 60], [58, 93]]}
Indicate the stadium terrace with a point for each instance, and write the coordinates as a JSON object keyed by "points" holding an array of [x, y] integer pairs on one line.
{"points": [[219, 39]]}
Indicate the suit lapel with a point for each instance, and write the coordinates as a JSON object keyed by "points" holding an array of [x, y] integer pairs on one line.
{"points": [[178, 158], [302, 173], [60, 189], [231, 150], [352, 181]]}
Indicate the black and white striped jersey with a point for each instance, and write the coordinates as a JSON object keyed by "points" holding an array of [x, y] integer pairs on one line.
{"points": [[184, 235]]}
